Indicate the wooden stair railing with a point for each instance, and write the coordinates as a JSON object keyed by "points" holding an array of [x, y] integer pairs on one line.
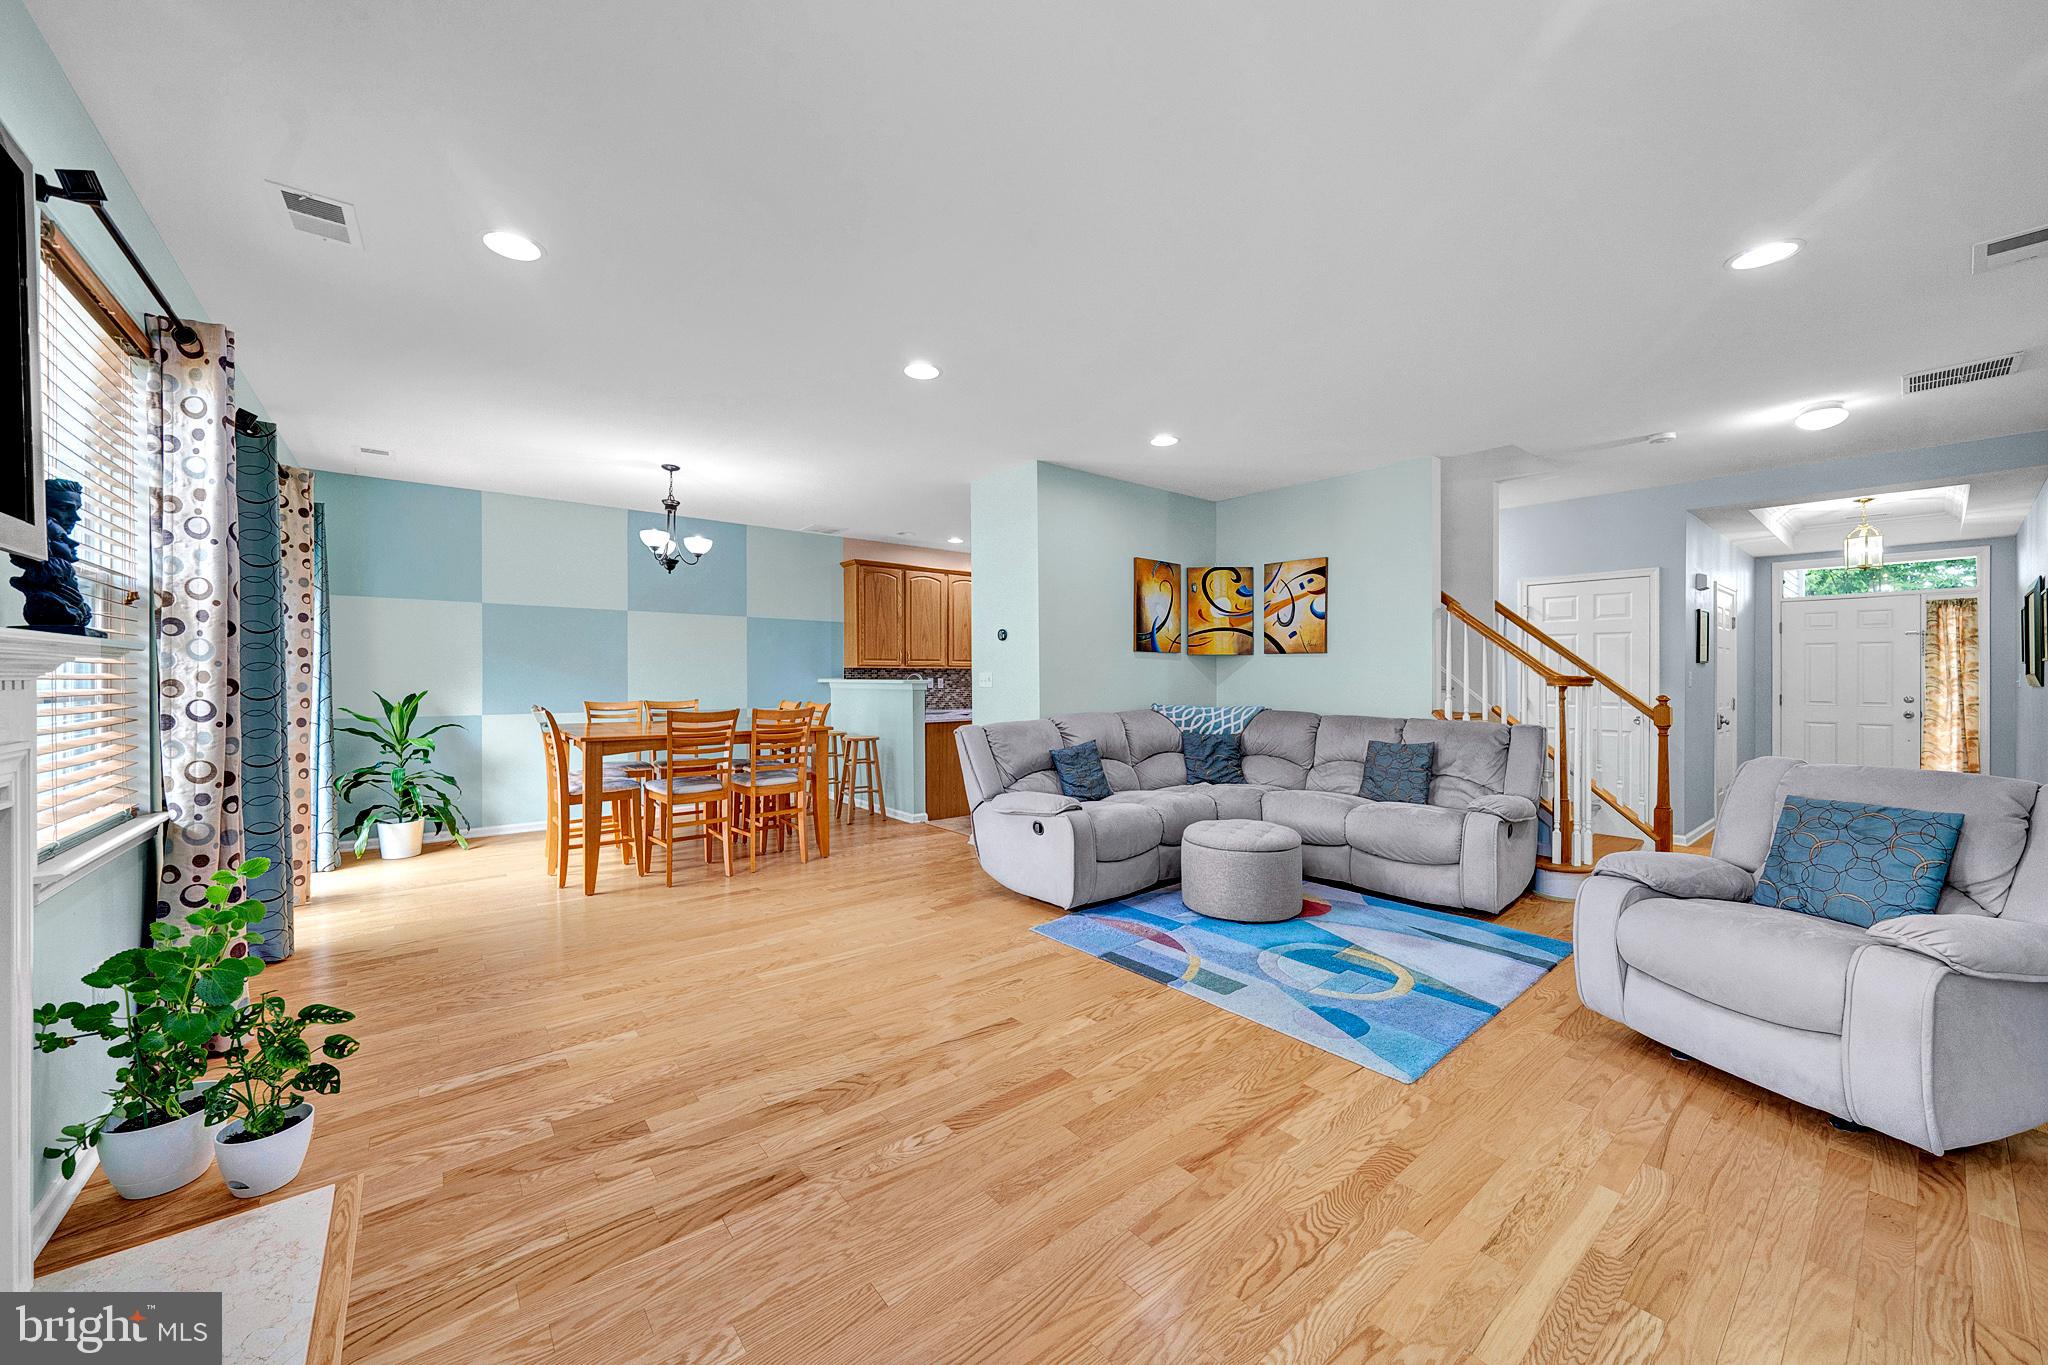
{"points": [[1659, 825], [1505, 667]]}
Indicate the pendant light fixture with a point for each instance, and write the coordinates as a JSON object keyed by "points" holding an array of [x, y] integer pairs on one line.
{"points": [[1863, 548], [661, 540]]}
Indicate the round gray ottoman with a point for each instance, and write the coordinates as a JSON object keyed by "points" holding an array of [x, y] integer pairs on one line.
{"points": [[1245, 870]]}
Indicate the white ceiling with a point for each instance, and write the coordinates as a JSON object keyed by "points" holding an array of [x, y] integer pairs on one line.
{"points": [[1309, 238], [1981, 506]]}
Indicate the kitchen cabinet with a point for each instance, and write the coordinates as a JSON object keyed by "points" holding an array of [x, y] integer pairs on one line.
{"points": [[907, 616], [945, 791]]}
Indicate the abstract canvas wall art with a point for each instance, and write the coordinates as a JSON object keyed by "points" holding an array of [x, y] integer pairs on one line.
{"points": [[1221, 606], [1155, 606], [1298, 606]]}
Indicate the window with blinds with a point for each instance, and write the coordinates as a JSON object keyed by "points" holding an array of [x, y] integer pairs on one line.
{"points": [[93, 761]]}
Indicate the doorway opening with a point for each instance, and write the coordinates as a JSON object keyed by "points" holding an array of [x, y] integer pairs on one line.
{"points": [[1883, 666]]}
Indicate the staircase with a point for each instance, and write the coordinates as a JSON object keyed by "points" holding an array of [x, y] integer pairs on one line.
{"points": [[1509, 670]]}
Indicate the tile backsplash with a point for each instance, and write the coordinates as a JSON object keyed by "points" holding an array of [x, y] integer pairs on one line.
{"points": [[948, 689]]}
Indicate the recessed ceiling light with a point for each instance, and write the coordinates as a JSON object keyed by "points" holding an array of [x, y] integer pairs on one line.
{"points": [[1663, 438], [1821, 416], [1765, 253], [921, 369], [955, 540], [1166, 438], [512, 246]]}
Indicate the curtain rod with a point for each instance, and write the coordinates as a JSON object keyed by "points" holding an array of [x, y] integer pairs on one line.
{"points": [[84, 187]]}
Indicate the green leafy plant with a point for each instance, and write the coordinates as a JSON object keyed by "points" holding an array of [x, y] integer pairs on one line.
{"points": [[176, 995], [417, 790], [272, 1068]]}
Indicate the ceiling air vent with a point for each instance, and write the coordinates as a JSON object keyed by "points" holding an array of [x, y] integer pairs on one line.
{"points": [[1998, 367], [822, 530], [319, 215], [372, 453], [2024, 246]]}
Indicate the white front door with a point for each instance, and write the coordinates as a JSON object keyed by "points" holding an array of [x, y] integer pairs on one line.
{"points": [[1609, 622], [1849, 677], [1725, 674]]}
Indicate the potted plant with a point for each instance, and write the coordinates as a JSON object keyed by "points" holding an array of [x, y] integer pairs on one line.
{"points": [[261, 1099], [418, 793], [175, 995]]}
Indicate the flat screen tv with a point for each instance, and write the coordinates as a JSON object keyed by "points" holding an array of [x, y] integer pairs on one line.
{"points": [[21, 432]]}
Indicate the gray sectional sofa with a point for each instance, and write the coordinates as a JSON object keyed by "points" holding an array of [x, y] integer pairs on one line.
{"points": [[1932, 1028], [1472, 847]]}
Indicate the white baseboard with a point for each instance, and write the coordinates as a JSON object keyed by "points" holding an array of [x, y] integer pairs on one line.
{"points": [[1702, 832], [57, 1201]]}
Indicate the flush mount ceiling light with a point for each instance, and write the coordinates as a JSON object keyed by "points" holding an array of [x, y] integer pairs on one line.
{"points": [[1765, 253], [1863, 548], [512, 246], [1165, 438], [1821, 416], [955, 540], [661, 540], [1662, 438], [921, 369]]}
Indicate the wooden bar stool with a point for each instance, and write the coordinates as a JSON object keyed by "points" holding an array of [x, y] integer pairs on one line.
{"points": [[861, 774]]}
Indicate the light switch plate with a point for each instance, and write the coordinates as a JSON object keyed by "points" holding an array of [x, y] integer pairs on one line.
{"points": [[988, 680]]}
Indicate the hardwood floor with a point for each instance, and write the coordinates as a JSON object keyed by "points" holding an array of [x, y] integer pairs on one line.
{"points": [[856, 1111]]}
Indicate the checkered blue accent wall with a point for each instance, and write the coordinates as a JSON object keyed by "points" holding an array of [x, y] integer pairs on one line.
{"points": [[493, 602]]}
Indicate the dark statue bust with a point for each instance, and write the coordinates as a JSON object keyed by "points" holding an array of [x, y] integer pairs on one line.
{"points": [[49, 588]]}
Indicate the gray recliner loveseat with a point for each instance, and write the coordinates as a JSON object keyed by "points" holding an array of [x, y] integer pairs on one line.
{"points": [[1932, 1028], [1473, 846]]}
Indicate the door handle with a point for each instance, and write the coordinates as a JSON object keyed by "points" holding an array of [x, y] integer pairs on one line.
{"points": [[1909, 715]]}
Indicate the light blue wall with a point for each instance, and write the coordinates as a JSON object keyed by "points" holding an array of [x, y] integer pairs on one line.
{"points": [[1090, 529], [1004, 528], [1052, 554], [1654, 528], [1378, 529], [1999, 646], [493, 603], [892, 710], [2030, 553]]}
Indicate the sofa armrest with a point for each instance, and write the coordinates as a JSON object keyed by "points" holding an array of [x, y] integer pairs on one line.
{"points": [[1687, 876], [1513, 809], [1033, 803], [1975, 945]]}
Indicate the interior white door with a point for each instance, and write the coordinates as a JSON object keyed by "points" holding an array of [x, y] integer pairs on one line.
{"points": [[1849, 680], [1608, 621], [1726, 656]]}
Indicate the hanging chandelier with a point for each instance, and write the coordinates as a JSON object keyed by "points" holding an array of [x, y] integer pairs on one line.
{"points": [[661, 540], [1863, 548]]}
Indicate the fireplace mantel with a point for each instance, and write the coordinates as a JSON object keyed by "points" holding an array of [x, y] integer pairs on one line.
{"points": [[25, 655]]}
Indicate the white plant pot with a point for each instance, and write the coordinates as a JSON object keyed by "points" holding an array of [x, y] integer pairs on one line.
{"points": [[399, 841], [142, 1163], [253, 1168]]}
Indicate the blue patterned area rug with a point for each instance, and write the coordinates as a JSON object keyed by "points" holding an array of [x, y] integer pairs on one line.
{"points": [[1388, 985]]}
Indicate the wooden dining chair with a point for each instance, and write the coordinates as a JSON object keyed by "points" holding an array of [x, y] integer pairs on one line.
{"points": [[690, 796], [654, 714], [774, 789], [618, 801]]}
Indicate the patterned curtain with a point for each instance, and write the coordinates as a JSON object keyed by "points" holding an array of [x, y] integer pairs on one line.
{"points": [[197, 577], [1949, 731], [266, 685], [302, 652], [326, 825]]}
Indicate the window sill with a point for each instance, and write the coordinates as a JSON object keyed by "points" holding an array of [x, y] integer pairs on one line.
{"points": [[75, 864]]}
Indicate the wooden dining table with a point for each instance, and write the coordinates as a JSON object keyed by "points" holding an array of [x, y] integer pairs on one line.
{"points": [[599, 742]]}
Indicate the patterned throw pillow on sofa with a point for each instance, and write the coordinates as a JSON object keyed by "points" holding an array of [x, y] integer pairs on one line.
{"points": [[1080, 771], [1397, 772], [1857, 863], [1214, 758], [1208, 720]]}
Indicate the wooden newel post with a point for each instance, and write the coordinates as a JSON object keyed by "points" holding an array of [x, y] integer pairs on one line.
{"points": [[1660, 819], [1564, 785]]}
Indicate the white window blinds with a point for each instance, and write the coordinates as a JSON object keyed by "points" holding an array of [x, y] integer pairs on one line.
{"points": [[92, 732]]}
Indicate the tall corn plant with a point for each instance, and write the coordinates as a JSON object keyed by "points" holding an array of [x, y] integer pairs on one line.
{"points": [[403, 785]]}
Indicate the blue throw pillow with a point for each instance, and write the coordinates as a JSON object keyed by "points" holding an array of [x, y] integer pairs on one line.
{"points": [[1213, 758], [1397, 772], [1080, 770], [1857, 863]]}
